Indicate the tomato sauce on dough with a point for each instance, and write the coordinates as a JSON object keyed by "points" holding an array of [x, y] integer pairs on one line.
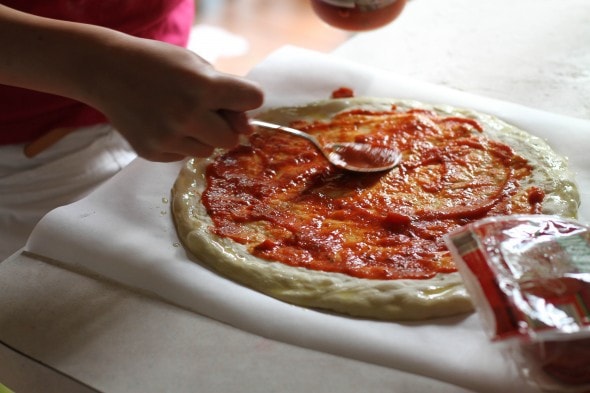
{"points": [[283, 200]]}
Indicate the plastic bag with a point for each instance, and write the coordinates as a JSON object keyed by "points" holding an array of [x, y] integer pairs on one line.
{"points": [[529, 278]]}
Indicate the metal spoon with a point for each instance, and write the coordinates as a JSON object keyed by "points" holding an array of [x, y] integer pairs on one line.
{"points": [[352, 156]]}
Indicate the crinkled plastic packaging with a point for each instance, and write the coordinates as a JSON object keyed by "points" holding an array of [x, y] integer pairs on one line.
{"points": [[529, 278]]}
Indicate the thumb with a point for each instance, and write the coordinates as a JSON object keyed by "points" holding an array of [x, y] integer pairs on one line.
{"points": [[236, 94]]}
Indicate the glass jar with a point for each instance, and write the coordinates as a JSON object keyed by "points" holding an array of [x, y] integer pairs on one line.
{"points": [[358, 15]]}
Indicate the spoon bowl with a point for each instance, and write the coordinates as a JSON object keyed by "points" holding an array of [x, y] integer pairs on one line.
{"points": [[352, 156]]}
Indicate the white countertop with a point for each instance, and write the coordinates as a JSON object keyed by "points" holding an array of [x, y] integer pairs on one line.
{"points": [[532, 52]]}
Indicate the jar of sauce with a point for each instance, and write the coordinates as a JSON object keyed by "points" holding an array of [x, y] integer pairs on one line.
{"points": [[358, 15]]}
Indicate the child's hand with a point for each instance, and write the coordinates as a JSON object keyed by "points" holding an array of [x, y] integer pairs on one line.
{"points": [[168, 102]]}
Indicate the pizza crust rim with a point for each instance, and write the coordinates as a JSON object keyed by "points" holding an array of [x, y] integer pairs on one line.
{"points": [[441, 296]]}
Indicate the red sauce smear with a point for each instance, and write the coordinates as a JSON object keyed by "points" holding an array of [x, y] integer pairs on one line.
{"points": [[283, 200], [343, 92]]}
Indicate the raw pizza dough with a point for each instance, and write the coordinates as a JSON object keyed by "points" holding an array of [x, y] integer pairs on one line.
{"points": [[400, 299]]}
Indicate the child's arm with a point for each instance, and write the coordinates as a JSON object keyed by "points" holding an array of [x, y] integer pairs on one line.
{"points": [[167, 102]]}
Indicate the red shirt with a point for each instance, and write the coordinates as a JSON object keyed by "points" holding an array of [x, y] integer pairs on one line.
{"points": [[26, 114]]}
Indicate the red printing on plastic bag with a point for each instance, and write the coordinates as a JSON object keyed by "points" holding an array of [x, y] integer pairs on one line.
{"points": [[529, 277]]}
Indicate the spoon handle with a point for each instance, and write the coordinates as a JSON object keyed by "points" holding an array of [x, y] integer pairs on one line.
{"points": [[289, 130]]}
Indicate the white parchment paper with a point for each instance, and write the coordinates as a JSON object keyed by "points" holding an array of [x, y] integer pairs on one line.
{"points": [[124, 231]]}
